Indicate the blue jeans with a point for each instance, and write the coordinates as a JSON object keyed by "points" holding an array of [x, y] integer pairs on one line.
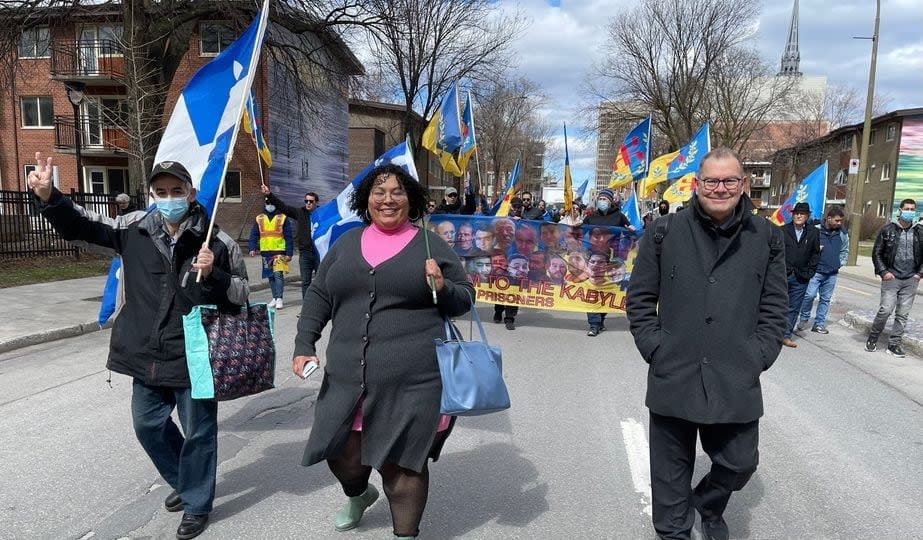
{"points": [[307, 264], [277, 284], [823, 283], [596, 320], [896, 295], [795, 299], [188, 464]]}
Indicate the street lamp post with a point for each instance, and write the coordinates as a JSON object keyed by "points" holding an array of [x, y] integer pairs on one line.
{"points": [[76, 95], [857, 206]]}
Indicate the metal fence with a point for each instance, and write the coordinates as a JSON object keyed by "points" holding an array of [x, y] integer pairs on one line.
{"points": [[25, 233]]}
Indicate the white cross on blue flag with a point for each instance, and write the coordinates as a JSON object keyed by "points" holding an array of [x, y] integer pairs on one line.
{"points": [[204, 123]]}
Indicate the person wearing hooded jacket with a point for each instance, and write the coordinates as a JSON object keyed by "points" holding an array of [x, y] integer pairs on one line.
{"points": [[161, 254]]}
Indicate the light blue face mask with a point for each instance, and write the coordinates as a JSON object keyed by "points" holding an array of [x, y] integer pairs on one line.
{"points": [[270, 208], [908, 215], [602, 205], [172, 209]]}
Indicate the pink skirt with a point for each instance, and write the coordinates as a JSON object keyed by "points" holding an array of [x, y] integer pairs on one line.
{"points": [[357, 420]]}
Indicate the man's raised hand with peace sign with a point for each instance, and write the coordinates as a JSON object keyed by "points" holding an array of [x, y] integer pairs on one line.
{"points": [[41, 180]]}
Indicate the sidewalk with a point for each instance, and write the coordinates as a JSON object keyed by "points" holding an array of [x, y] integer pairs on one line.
{"points": [[46, 312]]}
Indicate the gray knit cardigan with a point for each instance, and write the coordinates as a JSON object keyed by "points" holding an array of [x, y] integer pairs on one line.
{"points": [[381, 348]]}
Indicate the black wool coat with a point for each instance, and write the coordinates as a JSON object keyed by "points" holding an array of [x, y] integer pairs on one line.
{"points": [[801, 257], [709, 315], [381, 348]]}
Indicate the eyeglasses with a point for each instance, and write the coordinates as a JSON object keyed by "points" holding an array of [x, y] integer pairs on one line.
{"points": [[730, 183], [431, 205], [452, 195], [310, 201]]}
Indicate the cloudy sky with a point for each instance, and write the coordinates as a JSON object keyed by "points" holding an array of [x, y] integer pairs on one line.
{"points": [[565, 36]]}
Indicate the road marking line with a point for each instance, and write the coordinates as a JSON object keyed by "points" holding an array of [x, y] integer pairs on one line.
{"points": [[857, 291], [635, 439]]}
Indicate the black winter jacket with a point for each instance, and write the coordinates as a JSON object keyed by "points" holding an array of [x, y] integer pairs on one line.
{"points": [[160, 287], [801, 257], [886, 246], [708, 314]]}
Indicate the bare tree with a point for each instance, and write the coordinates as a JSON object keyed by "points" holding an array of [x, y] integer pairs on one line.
{"points": [[664, 54], [428, 45], [507, 125]]}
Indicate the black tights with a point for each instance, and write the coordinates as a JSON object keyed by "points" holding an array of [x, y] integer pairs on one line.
{"points": [[405, 489]]}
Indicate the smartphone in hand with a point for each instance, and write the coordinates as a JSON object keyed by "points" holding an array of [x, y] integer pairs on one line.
{"points": [[309, 368]]}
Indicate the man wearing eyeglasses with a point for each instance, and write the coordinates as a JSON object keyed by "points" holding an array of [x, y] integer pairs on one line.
{"points": [[707, 307], [307, 254]]}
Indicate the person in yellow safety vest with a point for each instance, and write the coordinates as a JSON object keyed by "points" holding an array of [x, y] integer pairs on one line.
{"points": [[271, 237]]}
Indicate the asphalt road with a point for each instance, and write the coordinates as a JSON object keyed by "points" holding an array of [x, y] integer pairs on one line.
{"points": [[841, 446]]}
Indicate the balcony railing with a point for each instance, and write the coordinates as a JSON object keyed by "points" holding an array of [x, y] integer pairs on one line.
{"points": [[96, 138], [760, 181], [88, 60]]}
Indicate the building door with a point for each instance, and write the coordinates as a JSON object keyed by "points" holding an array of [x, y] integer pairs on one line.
{"points": [[89, 50]]}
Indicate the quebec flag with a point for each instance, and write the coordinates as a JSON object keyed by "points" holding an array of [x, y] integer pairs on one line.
{"points": [[335, 217], [203, 126]]}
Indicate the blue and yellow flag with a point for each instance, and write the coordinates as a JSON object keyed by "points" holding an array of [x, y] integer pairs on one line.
{"points": [[568, 181], [811, 190], [469, 141], [632, 159], [503, 209], [443, 136], [657, 173], [681, 190], [690, 156], [253, 126]]}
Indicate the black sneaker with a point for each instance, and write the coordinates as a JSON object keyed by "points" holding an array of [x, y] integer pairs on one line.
{"points": [[498, 318], [820, 329], [802, 326], [593, 331], [896, 350], [510, 325], [871, 345]]}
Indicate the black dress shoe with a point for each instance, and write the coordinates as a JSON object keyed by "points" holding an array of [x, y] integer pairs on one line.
{"points": [[715, 530], [173, 503], [498, 318], [191, 526]]}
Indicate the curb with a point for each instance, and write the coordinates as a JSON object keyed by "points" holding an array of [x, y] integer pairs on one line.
{"points": [[55, 334], [861, 321]]}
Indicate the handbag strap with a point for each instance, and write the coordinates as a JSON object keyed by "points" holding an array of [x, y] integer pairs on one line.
{"points": [[451, 333]]}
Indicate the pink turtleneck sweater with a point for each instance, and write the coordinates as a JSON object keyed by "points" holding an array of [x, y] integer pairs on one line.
{"points": [[379, 245]]}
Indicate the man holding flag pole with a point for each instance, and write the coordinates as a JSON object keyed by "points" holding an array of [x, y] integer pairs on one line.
{"points": [[161, 254]]}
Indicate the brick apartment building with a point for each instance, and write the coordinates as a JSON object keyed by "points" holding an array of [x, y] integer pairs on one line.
{"points": [[84, 52], [895, 163]]}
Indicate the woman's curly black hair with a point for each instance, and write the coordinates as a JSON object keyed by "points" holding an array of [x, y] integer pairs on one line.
{"points": [[416, 193]]}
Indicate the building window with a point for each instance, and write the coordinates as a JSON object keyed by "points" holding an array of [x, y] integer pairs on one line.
{"points": [[37, 111], [33, 43], [230, 191], [885, 172], [872, 134], [841, 178], [214, 37], [891, 134], [882, 209], [846, 143], [29, 168]]}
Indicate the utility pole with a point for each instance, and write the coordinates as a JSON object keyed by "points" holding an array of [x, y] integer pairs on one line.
{"points": [[857, 205]]}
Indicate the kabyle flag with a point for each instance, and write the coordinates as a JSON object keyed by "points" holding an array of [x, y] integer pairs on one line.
{"points": [[632, 158], [812, 190], [335, 217], [204, 123]]}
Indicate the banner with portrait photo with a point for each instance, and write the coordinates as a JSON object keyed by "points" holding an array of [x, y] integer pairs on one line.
{"points": [[542, 265]]}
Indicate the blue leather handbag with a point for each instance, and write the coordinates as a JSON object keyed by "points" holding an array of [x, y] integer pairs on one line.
{"points": [[472, 373]]}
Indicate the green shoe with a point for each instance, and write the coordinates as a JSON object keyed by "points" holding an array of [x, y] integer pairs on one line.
{"points": [[349, 516]]}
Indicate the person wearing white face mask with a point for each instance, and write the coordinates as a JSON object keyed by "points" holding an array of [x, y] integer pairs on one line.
{"points": [[271, 236], [161, 252], [609, 214]]}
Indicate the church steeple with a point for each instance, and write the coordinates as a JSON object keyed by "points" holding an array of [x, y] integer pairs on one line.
{"points": [[791, 57]]}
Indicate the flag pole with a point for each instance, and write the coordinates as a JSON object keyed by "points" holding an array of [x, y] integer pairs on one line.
{"points": [[254, 59]]}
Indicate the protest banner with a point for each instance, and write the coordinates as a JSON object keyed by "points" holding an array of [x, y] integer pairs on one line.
{"points": [[540, 264]]}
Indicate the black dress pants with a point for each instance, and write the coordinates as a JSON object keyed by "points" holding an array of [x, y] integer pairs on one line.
{"points": [[734, 453], [511, 312]]}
